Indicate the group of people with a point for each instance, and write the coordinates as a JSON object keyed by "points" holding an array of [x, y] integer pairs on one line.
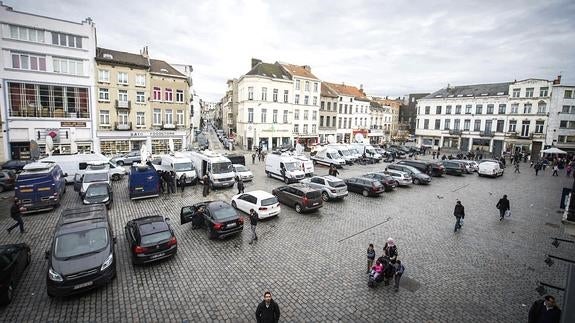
{"points": [[556, 164], [169, 181], [387, 266], [259, 154], [502, 205]]}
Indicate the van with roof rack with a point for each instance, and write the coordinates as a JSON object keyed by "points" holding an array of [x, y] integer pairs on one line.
{"points": [[39, 187]]}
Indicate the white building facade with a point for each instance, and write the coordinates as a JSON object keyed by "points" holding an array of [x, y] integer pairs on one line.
{"points": [[353, 115], [561, 133], [47, 82]]}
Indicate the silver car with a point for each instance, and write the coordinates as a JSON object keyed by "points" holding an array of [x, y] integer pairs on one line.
{"points": [[402, 178], [331, 187], [127, 159]]}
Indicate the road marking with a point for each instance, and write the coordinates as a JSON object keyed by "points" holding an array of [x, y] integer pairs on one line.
{"points": [[362, 231], [457, 189]]}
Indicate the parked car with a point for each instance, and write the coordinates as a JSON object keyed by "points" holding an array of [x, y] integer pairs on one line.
{"points": [[467, 168], [365, 186], [151, 238], [493, 161], [492, 169], [16, 164], [82, 253], [14, 258], [243, 172], [430, 168], [127, 159], [453, 168], [99, 193], [418, 177], [7, 179], [470, 165], [331, 187], [402, 178], [264, 203], [299, 196], [39, 187], [219, 218], [388, 182], [89, 178]]}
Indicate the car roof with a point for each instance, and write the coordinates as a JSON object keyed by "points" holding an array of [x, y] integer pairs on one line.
{"points": [[10, 248], [237, 165], [72, 219], [260, 194], [216, 204], [329, 178], [302, 187], [150, 224]]}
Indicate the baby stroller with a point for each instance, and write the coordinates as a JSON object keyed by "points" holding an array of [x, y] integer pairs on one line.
{"points": [[373, 281]]}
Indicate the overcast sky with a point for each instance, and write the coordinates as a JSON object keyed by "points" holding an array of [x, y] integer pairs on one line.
{"points": [[391, 47]]}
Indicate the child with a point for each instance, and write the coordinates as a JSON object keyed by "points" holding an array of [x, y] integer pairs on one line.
{"points": [[370, 257], [399, 269], [376, 270]]}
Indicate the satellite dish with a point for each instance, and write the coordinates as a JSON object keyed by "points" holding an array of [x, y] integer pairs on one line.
{"points": [[34, 150], [171, 144], [331, 139], [49, 145], [144, 154], [73, 147], [358, 137], [299, 148]]}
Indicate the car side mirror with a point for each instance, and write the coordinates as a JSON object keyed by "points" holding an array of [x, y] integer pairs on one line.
{"points": [[47, 254], [167, 219], [65, 174]]}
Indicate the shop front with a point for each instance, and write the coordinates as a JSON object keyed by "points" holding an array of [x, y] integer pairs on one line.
{"points": [[114, 143]]}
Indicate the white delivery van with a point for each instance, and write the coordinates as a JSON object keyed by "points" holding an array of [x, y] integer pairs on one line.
{"points": [[491, 169], [284, 167], [345, 152], [181, 165], [77, 164], [305, 164], [328, 156], [368, 150], [219, 168]]}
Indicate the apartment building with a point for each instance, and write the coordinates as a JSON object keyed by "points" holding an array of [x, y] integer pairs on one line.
{"points": [[561, 131], [353, 116], [230, 107], [327, 113], [47, 79], [193, 101]]}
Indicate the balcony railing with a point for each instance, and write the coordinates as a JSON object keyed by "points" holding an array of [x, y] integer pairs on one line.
{"points": [[455, 132], [48, 113], [168, 126], [123, 126], [486, 134], [123, 104]]}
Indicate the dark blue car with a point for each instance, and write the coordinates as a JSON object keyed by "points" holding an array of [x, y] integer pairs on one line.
{"points": [[39, 187], [144, 181]]}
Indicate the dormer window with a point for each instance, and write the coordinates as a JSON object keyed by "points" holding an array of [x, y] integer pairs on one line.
{"points": [[108, 56], [163, 70]]}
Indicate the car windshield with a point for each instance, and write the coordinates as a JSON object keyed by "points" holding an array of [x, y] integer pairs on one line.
{"points": [[154, 238], [96, 177], [336, 183], [96, 190], [223, 213], [333, 155], [291, 166], [221, 168], [269, 201], [80, 243], [183, 167], [412, 169], [371, 151], [345, 152], [242, 169]]}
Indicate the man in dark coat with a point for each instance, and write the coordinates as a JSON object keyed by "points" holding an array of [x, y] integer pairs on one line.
{"points": [[544, 311], [15, 214], [268, 310], [240, 185], [183, 182], [459, 213], [172, 182], [503, 206], [206, 182]]}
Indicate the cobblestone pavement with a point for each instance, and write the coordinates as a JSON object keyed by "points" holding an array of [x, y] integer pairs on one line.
{"points": [[314, 264]]}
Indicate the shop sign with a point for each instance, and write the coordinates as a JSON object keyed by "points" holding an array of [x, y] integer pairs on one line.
{"points": [[72, 124], [152, 133]]}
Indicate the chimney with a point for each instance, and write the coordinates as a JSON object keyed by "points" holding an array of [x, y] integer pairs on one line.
{"points": [[307, 68], [144, 52], [255, 62], [557, 80]]}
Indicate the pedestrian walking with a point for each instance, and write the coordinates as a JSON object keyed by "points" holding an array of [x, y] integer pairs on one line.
{"points": [[240, 184], [555, 170], [15, 214], [544, 311], [568, 170], [253, 223], [399, 270], [333, 171], [162, 182], [459, 213], [537, 168], [253, 158], [268, 311], [433, 154], [504, 207], [370, 257], [183, 182], [517, 168], [206, 188], [173, 181]]}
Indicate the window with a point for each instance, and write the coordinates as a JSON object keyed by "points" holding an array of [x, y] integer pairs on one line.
{"points": [[438, 109], [286, 94], [264, 93], [305, 114], [512, 126], [66, 40], [103, 95], [340, 107], [327, 120], [448, 109], [468, 109], [157, 94], [543, 91], [315, 100], [123, 96], [250, 93], [306, 99], [490, 108], [264, 115], [140, 80], [479, 109], [306, 87], [140, 119], [427, 109], [321, 121], [339, 123], [541, 108], [275, 95], [477, 125], [104, 117], [180, 117], [426, 124], [250, 115], [157, 117], [296, 101], [466, 124], [525, 128], [500, 125], [514, 108], [539, 126], [169, 117], [456, 124], [314, 115], [447, 124], [322, 105], [502, 108], [285, 119], [305, 128], [296, 128], [529, 92], [315, 87], [275, 116], [180, 96], [296, 114], [458, 109], [123, 118], [527, 108], [567, 124], [122, 78], [68, 66], [27, 34], [104, 76], [313, 128], [568, 94], [168, 95], [297, 84], [28, 62], [516, 93]]}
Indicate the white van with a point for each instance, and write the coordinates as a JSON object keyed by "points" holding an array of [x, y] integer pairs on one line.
{"points": [[328, 157], [181, 165], [77, 164], [89, 177], [219, 168], [491, 169], [284, 167], [305, 163], [347, 154], [368, 150]]}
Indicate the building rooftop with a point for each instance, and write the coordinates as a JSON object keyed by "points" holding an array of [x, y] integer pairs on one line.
{"points": [[348, 90], [301, 71], [327, 91], [270, 70], [475, 90], [118, 57], [161, 67]]}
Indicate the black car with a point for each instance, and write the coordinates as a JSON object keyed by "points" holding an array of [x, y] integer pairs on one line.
{"points": [[388, 182], [14, 258], [82, 255], [7, 179], [430, 168], [99, 193], [16, 164], [453, 168], [150, 239], [218, 217], [364, 185], [418, 176]]}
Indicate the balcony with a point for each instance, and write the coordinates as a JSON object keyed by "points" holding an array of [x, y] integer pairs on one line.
{"points": [[168, 126], [455, 132], [486, 134], [123, 104], [123, 126], [511, 134], [537, 135]]}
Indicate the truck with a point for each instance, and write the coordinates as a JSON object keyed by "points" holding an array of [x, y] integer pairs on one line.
{"points": [[181, 165], [39, 187], [78, 164], [216, 166]]}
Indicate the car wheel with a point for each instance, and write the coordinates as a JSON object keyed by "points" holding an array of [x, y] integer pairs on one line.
{"points": [[7, 297], [416, 181], [28, 258], [2, 188], [365, 193], [396, 184], [116, 177], [269, 174], [50, 294], [211, 233], [324, 196], [298, 208], [234, 205], [120, 163], [286, 180]]}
